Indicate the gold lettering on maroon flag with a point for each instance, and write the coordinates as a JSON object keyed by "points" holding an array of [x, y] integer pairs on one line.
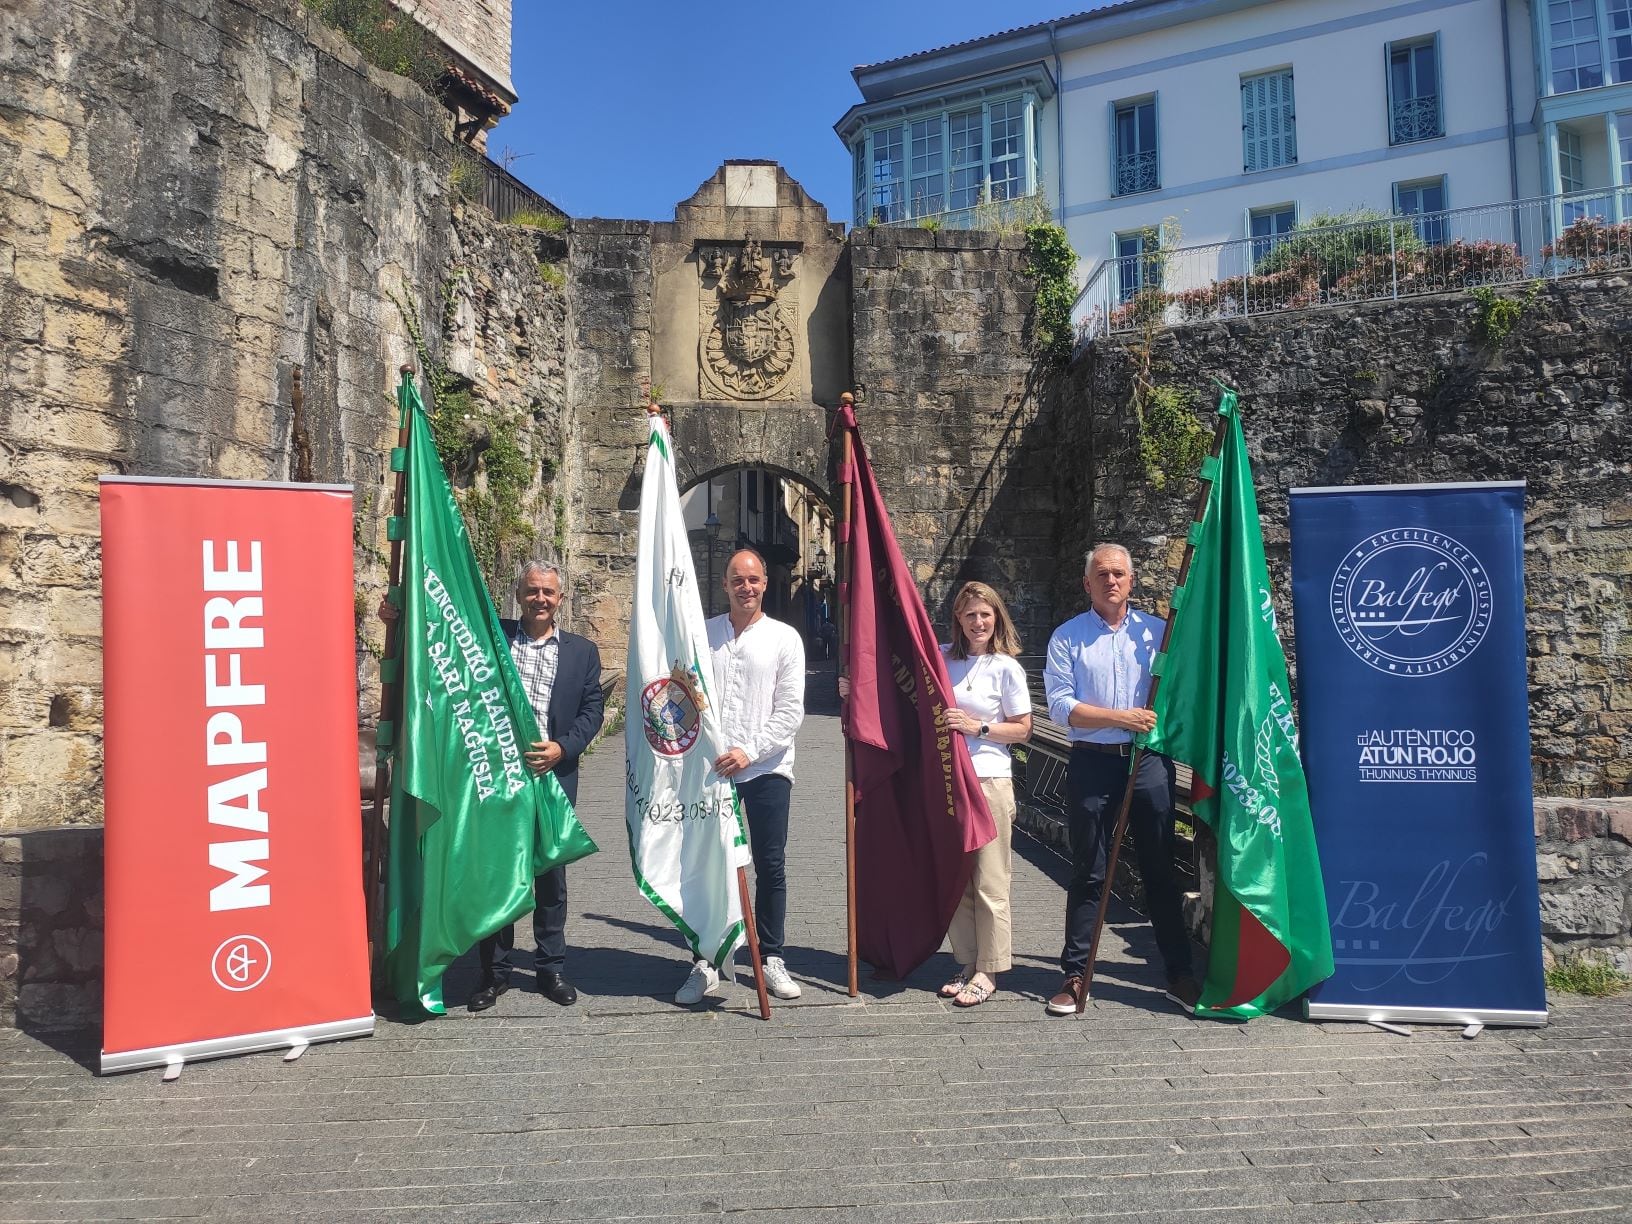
{"points": [[902, 675], [943, 741]]}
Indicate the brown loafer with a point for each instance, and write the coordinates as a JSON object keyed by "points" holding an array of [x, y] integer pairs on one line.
{"points": [[1065, 1003], [1185, 991]]}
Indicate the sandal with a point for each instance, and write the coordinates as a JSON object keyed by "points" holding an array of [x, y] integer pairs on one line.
{"points": [[973, 995], [954, 988]]}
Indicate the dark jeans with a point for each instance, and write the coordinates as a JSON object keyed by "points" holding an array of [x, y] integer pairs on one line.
{"points": [[1094, 784], [549, 932], [765, 802]]}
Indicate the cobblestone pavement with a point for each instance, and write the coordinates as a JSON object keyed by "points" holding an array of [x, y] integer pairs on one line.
{"points": [[895, 1106]]}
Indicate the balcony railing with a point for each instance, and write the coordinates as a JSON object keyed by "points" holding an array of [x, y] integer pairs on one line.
{"points": [[925, 212], [1364, 260], [1415, 119], [1136, 172], [504, 195]]}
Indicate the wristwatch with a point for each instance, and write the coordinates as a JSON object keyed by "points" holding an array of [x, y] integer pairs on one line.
{"points": [[984, 728]]}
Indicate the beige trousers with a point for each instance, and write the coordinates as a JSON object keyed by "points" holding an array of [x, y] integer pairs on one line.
{"points": [[980, 929]]}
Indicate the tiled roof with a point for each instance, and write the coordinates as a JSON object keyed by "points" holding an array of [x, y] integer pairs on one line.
{"points": [[1000, 34]]}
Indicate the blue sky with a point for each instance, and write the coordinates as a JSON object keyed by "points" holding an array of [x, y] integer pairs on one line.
{"points": [[626, 107]]}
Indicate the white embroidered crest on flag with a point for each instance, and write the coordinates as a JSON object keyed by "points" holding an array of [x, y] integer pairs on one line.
{"points": [[686, 837]]}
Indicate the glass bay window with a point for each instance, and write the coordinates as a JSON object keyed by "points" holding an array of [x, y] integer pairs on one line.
{"points": [[946, 160]]}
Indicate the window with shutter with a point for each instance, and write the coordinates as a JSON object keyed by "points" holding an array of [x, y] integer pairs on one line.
{"points": [[1268, 122], [1134, 129], [1413, 91]]}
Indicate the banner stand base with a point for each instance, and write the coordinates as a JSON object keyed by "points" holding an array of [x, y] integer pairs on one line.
{"points": [[173, 1057], [1465, 1017]]}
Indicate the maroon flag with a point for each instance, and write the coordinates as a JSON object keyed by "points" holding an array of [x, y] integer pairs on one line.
{"points": [[919, 807]]}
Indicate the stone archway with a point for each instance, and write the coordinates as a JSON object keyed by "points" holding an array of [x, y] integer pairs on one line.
{"points": [[710, 440], [738, 313], [751, 310], [784, 438], [790, 521]]}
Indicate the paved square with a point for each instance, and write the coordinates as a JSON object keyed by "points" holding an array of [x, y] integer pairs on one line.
{"points": [[896, 1106]]}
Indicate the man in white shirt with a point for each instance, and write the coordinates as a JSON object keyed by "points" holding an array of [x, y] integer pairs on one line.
{"points": [[759, 672], [1097, 678]]}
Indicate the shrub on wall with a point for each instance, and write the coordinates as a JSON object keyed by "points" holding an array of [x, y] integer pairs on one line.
{"points": [[1053, 265], [387, 38], [1595, 245]]}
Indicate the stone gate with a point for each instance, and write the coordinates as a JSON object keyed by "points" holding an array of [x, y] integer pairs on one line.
{"points": [[753, 313]]}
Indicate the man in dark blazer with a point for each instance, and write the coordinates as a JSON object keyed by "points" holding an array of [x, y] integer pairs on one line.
{"points": [[562, 675]]}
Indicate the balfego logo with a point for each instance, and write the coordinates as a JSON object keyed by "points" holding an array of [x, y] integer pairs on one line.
{"points": [[672, 711], [1411, 602]]}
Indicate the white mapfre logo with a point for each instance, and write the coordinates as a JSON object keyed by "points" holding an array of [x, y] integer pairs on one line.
{"points": [[241, 963], [1411, 602]]}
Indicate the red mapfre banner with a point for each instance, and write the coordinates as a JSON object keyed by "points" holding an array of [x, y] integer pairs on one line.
{"points": [[233, 855]]}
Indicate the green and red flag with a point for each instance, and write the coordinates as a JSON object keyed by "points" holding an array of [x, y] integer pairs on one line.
{"points": [[1224, 707], [471, 825]]}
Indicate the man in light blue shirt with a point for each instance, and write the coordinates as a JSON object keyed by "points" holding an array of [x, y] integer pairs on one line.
{"points": [[1097, 679]]}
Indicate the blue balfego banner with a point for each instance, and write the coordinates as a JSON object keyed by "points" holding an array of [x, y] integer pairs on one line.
{"points": [[1409, 610]]}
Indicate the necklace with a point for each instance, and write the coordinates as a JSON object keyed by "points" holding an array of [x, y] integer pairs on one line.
{"points": [[974, 670]]}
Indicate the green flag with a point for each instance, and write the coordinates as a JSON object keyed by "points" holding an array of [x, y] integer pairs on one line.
{"points": [[471, 825], [1224, 708]]}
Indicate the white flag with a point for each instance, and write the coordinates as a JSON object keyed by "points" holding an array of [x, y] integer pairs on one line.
{"points": [[686, 836]]}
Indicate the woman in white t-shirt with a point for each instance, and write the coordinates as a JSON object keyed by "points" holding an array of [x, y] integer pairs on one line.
{"points": [[993, 711]]}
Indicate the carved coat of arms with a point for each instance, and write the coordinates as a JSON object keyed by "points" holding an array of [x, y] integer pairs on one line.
{"points": [[747, 324]]}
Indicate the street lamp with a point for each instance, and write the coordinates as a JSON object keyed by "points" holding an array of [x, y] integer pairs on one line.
{"points": [[821, 562], [711, 528]]}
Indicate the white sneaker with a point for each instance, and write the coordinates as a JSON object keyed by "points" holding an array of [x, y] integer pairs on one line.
{"points": [[702, 980], [777, 980]]}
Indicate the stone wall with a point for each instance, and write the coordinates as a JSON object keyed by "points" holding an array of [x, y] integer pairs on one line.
{"points": [[608, 368], [195, 199], [1392, 393], [503, 317], [1584, 863], [51, 928], [955, 416], [1397, 393], [932, 329]]}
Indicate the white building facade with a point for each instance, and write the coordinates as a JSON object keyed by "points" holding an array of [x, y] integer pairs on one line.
{"points": [[1584, 110], [1187, 122]]}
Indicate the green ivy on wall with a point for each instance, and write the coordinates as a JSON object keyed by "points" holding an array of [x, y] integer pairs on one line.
{"points": [[386, 39], [1172, 441], [1495, 316], [1052, 264], [474, 441]]}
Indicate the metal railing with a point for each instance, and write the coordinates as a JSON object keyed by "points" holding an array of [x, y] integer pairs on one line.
{"points": [[1136, 172], [1415, 119], [925, 212], [1376, 257], [504, 195]]}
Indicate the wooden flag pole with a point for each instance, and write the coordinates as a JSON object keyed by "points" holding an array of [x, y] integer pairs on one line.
{"points": [[753, 943], [1138, 749], [847, 565], [390, 703]]}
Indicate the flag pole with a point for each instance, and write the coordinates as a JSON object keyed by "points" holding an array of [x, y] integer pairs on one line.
{"points": [[753, 943], [1121, 829], [390, 696], [847, 477]]}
